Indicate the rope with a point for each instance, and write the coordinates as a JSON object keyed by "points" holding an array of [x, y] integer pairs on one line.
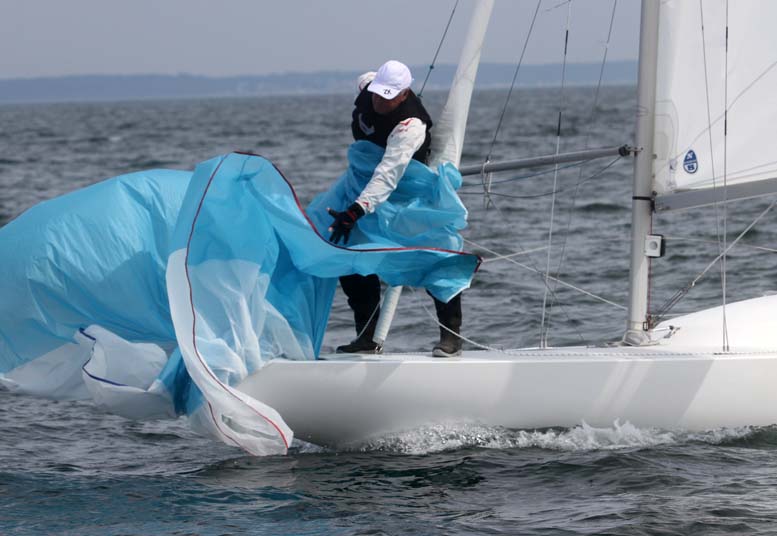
{"points": [[434, 60], [486, 180], [533, 268], [433, 316], [511, 255], [543, 332], [372, 315], [509, 258]]}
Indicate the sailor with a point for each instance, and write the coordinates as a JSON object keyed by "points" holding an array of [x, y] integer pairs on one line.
{"points": [[388, 113]]}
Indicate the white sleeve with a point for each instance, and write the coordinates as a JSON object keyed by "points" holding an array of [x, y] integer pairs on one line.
{"points": [[406, 138]]}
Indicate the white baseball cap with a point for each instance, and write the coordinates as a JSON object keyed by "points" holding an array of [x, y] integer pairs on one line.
{"points": [[393, 76]]}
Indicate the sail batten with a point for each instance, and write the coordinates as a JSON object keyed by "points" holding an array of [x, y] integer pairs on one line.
{"points": [[695, 118]]}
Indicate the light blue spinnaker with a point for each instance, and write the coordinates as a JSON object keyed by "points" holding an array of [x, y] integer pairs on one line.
{"points": [[249, 278], [94, 256]]}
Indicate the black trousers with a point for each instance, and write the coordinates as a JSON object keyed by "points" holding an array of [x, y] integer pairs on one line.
{"points": [[363, 294]]}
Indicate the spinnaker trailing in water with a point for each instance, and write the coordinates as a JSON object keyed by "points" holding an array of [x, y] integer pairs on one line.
{"points": [[245, 270]]}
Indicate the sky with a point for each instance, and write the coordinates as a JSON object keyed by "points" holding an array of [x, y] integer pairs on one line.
{"points": [[254, 37]]}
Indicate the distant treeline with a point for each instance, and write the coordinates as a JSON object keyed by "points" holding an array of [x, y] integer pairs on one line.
{"points": [[129, 87]]}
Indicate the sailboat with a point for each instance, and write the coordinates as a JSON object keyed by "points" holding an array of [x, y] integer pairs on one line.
{"points": [[678, 374], [702, 74]]}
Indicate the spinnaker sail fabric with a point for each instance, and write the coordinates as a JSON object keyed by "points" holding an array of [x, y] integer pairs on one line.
{"points": [[94, 256], [251, 277], [699, 81], [423, 212], [157, 293]]}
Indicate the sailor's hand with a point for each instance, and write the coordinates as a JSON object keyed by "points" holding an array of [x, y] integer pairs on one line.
{"points": [[344, 222]]}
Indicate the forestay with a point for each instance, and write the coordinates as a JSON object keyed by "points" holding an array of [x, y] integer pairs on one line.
{"points": [[697, 83]]}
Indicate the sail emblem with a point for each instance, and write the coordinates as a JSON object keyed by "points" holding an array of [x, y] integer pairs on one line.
{"points": [[690, 163]]}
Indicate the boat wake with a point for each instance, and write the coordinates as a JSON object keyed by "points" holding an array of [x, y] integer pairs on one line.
{"points": [[439, 438]]}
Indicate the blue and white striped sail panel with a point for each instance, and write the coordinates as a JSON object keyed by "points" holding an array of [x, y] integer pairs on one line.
{"points": [[156, 293]]}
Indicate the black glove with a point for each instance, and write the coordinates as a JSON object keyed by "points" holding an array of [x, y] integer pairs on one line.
{"points": [[344, 222]]}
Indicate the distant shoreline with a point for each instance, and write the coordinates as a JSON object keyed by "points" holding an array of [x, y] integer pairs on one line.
{"points": [[108, 88]]}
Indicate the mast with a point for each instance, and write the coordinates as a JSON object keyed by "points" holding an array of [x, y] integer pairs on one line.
{"points": [[641, 204], [448, 137]]}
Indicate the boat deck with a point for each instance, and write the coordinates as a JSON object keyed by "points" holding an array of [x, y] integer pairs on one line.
{"points": [[574, 353]]}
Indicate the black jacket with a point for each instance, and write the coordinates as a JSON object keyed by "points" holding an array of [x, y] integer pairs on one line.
{"points": [[367, 124]]}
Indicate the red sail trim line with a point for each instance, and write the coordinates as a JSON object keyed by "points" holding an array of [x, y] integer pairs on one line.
{"points": [[194, 314], [313, 227]]}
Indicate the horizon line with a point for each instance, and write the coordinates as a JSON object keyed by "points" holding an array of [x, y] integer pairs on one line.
{"points": [[421, 68]]}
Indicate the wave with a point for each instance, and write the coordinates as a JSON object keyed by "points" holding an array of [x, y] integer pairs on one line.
{"points": [[600, 207], [439, 438]]}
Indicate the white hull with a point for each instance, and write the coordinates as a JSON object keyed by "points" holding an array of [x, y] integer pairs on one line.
{"points": [[341, 401], [671, 385]]}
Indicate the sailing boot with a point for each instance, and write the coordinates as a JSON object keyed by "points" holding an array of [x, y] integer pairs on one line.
{"points": [[449, 345], [449, 316], [363, 343], [363, 294]]}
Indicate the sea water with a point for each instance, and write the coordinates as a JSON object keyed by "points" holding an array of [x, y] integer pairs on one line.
{"points": [[66, 468]]}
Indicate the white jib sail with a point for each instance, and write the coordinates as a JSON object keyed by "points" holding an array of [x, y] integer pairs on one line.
{"points": [[697, 82], [448, 137]]}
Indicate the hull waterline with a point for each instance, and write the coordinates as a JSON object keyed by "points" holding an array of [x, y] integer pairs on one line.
{"points": [[342, 401]]}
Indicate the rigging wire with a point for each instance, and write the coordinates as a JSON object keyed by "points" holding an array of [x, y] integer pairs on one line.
{"points": [[483, 346], [545, 194], [704, 241], [436, 320], [531, 259], [725, 189], [543, 332], [509, 258], [511, 255], [671, 302], [512, 84], [709, 131], [434, 60], [533, 267], [590, 122], [486, 177]]}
